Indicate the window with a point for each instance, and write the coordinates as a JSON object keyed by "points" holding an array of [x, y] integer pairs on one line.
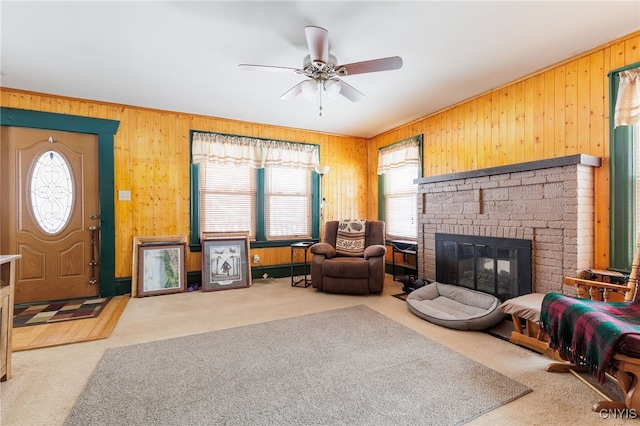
{"points": [[265, 188], [52, 192], [625, 179], [288, 206], [227, 198], [400, 200], [398, 165]]}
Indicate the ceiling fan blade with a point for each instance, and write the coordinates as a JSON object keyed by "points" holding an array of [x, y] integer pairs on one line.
{"points": [[318, 43], [374, 65], [270, 68], [293, 92], [350, 92]]}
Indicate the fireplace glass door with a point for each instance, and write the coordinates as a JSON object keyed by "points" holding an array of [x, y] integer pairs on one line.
{"points": [[497, 266], [485, 269]]}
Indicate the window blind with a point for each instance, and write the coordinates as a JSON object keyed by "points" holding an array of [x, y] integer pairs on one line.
{"points": [[227, 194], [401, 202], [288, 202]]}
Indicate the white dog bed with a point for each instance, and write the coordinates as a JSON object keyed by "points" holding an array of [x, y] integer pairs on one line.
{"points": [[455, 307]]}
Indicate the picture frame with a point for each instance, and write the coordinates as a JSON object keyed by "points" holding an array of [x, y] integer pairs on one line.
{"points": [[139, 240], [209, 235], [161, 269], [225, 263]]}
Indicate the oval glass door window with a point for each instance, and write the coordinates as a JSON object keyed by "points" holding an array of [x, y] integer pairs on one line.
{"points": [[51, 192]]}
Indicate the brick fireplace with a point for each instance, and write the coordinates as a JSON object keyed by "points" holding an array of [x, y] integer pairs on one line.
{"points": [[549, 202]]}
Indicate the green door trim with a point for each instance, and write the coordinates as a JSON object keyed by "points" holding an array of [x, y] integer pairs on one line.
{"points": [[105, 130], [622, 187]]}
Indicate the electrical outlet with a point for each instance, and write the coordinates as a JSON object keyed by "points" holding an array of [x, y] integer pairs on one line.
{"points": [[256, 258]]}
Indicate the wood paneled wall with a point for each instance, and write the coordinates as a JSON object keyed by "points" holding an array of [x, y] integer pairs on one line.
{"points": [[152, 161], [558, 111]]}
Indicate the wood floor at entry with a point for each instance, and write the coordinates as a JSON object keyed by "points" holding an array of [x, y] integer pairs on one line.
{"points": [[83, 330]]}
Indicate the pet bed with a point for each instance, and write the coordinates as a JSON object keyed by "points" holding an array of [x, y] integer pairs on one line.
{"points": [[455, 307]]}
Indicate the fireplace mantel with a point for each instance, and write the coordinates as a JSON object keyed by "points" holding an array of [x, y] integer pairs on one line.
{"points": [[550, 202], [570, 160]]}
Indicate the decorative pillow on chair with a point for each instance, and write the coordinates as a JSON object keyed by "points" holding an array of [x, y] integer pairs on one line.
{"points": [[350, 238]]}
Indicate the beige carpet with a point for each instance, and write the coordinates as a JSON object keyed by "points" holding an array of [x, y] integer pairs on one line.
{"points": [[325, 368], [47, 382]]}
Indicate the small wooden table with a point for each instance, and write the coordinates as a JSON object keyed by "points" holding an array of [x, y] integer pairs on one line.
{"points": [[7, 285]]}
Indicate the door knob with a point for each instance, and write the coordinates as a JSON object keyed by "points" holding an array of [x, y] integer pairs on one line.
{"points": [[94, 217]]}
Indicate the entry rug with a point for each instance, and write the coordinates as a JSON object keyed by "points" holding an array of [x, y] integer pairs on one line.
{"points": [[57, 311]]}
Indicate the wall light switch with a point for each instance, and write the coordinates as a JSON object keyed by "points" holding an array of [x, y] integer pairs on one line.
{"points": [[124, 195]]}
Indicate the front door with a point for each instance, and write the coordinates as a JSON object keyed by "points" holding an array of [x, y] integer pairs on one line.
{"points": [[50, 214]]}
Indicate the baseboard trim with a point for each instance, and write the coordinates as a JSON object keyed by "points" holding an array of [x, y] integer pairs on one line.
{"points": [[123, 284]]}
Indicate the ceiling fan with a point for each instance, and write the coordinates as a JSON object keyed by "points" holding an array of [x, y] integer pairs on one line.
{"points": [[323, 72]]}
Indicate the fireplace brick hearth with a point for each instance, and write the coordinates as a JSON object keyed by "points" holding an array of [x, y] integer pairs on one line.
{"points": [[550, 202]]}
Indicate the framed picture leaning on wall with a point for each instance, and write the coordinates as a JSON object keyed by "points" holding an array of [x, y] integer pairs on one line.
{"points": [[225, 263], [140, 240], [161, 268]]}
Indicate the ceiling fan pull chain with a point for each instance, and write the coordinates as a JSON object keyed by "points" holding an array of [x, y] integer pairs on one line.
{"points": [[320, 89]]}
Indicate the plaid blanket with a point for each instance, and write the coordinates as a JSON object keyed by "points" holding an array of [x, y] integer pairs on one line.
{"points": [[586, 332]]}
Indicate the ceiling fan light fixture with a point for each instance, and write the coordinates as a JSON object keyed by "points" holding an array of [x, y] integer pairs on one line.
{"points": [[309, 89], [332, 87]]}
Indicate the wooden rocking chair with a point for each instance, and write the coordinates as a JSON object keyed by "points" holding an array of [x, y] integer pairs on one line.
{"points": [[624, 365]]}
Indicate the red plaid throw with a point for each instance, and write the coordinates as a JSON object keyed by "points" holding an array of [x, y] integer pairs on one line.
{"points": [[586, 332]]}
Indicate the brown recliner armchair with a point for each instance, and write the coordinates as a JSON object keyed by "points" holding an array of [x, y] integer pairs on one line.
{"points": [[335, 271]]}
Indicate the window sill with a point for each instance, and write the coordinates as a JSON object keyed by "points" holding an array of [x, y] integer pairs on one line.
{"points": [[261, 244]]}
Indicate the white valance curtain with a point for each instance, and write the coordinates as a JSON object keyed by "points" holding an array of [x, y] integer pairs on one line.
{"points": [[627, 111], [405, 153], [258, 153]]}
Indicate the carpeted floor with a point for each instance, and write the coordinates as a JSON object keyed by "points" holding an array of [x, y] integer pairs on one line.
{"points": [[57, 311], [317, 369]]}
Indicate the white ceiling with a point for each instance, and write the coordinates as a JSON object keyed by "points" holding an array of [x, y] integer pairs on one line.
{"points": [[183, 56]]}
